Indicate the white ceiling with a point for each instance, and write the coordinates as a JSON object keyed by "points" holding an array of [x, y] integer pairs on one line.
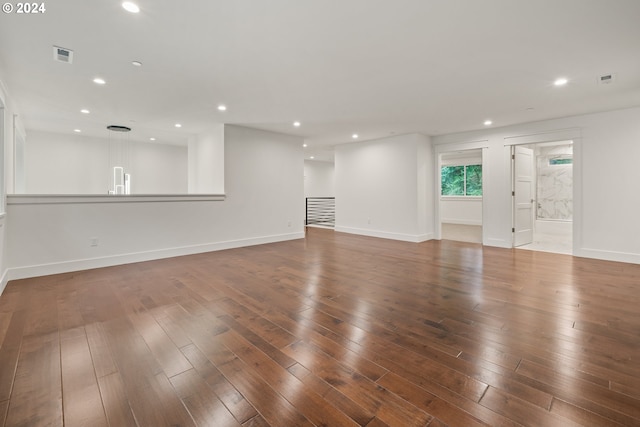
{"points": [[374, 67]]}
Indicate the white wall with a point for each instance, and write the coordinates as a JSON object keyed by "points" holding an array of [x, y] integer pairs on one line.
{"points": [[158, 169], [206, 161], [12, 128], [606, 153], [9, 124], [319, 179], [264, 203], [425, 188], [384, 188], [458, 210], [78, 164], [3, 138]]}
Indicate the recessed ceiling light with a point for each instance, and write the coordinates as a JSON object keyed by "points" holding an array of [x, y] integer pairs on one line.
{"points": [[85, 111], [178, 125], [488, 122], [312, 157], [99, 81], [152, 139], [130, 7], [222, 107], [305, 145], [296, 124], [136, 63], [77, 130], [354, 136], [561, 81]]}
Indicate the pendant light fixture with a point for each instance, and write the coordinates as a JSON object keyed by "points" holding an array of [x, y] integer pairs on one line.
{"points": [[119, 164]]}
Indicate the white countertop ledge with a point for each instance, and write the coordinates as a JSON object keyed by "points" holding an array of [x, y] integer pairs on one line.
{"points": [[48, 199]]}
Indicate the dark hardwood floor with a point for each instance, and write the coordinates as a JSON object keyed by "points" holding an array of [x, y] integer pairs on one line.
{"points": [[332, 330]]}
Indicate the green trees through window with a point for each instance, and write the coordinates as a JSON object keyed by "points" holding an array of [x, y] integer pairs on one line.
{"points": [[461, 180], [453, 180], [474, 180]]}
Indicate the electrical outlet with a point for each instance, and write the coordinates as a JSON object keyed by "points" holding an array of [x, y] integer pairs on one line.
{"points": [[94, 241], [289, 223], [368, 220]]}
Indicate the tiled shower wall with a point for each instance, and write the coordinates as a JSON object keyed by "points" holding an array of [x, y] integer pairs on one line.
{"points": [[554, 184]]}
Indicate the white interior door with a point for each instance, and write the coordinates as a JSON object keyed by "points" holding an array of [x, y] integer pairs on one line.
{"points": [[523, 187]]}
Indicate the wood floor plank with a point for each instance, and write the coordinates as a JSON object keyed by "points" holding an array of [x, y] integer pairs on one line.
{"points": [[437, 423], [234, 401], [331, 395], [163, 348], [333, 329], [608, 403], [281, 358], [429, 402], [203, 404], [274, 408], [10, 352], [81, 398], [377, 423], [5, 321], [305, 400], [629, 390], [330, 345], [44, 320], [262, 397], [69, 316], [16, 297], [98, 301], [385, 405], [100, 353], [4, 407], [442, 402], [256, 421], [115, 400], [145, 384], [520, 411], [36, 399], [580, 415], [177, 334], [268, 331], [198, 286]]}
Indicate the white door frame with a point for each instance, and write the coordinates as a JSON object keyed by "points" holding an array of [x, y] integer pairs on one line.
{"points": [[575, 135], [453, 148]]}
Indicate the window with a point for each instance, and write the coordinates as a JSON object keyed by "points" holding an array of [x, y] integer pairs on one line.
{"points": [[560, 161], [473, 180], [452, 180], [461, 180]]}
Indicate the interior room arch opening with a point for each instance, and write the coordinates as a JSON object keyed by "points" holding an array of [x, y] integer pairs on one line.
{"points": [[460, 195], [543, 196]]}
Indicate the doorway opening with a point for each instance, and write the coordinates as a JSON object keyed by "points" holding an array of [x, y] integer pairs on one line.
{"points": [[461, 196], [543, 196]]}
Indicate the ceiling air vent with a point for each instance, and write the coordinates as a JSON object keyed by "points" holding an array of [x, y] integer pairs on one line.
{"points": [[61, 54], [606, 79]]}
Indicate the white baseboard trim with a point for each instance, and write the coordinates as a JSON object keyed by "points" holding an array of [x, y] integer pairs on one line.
{"points": [[108, 261], [462, 221], [414, 238], [498, 243], [631, 258]]}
